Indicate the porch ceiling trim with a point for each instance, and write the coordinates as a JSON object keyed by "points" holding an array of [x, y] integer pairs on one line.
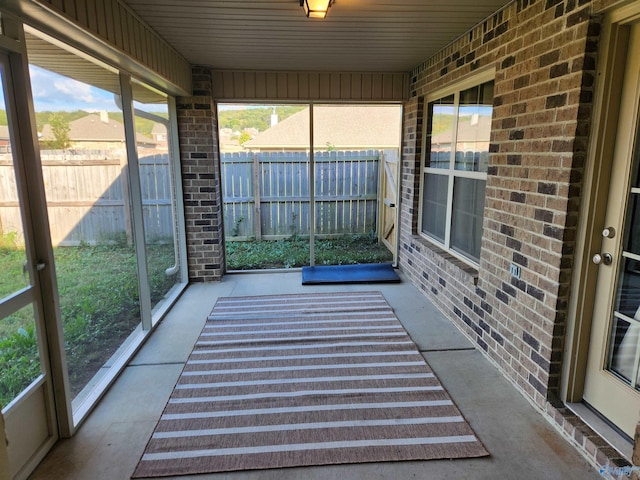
{"points": [[113, 34]]}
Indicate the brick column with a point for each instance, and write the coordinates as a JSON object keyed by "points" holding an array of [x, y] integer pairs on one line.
{"points": [[199, 158]]}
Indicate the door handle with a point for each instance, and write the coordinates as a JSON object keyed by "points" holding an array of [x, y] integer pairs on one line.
{"points": [[605, 258]]}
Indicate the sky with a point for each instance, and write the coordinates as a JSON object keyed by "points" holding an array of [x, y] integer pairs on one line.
{"points": [[53, 92]]}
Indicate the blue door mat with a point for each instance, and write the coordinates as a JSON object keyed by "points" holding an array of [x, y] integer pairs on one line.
{"points": [[360, 273]]}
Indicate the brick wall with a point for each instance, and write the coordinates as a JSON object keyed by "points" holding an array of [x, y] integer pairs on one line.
{"points": [[543, 52], [197, 130]]}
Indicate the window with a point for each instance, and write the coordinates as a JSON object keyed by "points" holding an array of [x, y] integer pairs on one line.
{"points": [[454, 167], [156, 162], [111, 179]]}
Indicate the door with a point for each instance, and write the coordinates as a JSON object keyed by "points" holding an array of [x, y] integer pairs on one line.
{"points": [[612, 383], [389, 199], [25, 386]]}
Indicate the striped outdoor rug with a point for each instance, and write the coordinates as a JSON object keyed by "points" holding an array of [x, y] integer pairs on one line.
{"points": [[311, 379]]}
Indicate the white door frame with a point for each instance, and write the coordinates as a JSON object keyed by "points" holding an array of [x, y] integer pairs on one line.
{"points": [[34, 410]]}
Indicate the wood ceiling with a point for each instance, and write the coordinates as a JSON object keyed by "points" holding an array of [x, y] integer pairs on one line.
{"points": [[356, 35]]}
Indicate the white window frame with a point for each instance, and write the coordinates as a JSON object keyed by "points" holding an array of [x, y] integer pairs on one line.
{"points": [[451, 173]]}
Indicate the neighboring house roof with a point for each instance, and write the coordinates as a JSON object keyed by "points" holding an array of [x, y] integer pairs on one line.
{"points": [[469, 131], [95, 128], [159, 129], [342, 127], [229, 144]]}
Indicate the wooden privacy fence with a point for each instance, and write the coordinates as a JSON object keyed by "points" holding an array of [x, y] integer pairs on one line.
{"points": [[87, 197], [266, 194]]}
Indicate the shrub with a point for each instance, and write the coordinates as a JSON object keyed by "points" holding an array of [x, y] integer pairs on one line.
{"points": [[294, 252]]}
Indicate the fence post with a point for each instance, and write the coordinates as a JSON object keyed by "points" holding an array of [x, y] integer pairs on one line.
{"points": [[381, 193], [125, 198], [257, 220]]}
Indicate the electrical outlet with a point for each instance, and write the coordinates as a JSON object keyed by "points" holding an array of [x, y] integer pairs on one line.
{"points": [[514, 270]]}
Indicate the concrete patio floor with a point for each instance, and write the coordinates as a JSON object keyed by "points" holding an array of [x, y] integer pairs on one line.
{"points": [[523, 445]]}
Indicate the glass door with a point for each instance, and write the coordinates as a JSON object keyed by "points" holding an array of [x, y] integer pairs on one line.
{"points": [[25, 385], [612, 383]]}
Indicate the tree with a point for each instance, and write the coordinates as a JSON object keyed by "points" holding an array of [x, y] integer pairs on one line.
{"points": [[60, 129], [256, 117], [244, 137]]}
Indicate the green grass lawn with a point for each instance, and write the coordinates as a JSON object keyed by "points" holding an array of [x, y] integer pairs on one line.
{"points": [[294, 252], [99, 303], [98, 293]]}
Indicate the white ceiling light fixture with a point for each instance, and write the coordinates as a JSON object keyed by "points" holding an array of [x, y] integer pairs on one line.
{"points": [[316, 8]]}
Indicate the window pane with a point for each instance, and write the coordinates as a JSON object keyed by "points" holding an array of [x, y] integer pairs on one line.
{"points": [[264, 161], [625, 339], [628, 293], [632, 234], [13, 257], [434, 205], [466, 222], [440, 116], [19, 357], [351, 144], [156, 184], [474, 128], [625, 334], [86, 174]]}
